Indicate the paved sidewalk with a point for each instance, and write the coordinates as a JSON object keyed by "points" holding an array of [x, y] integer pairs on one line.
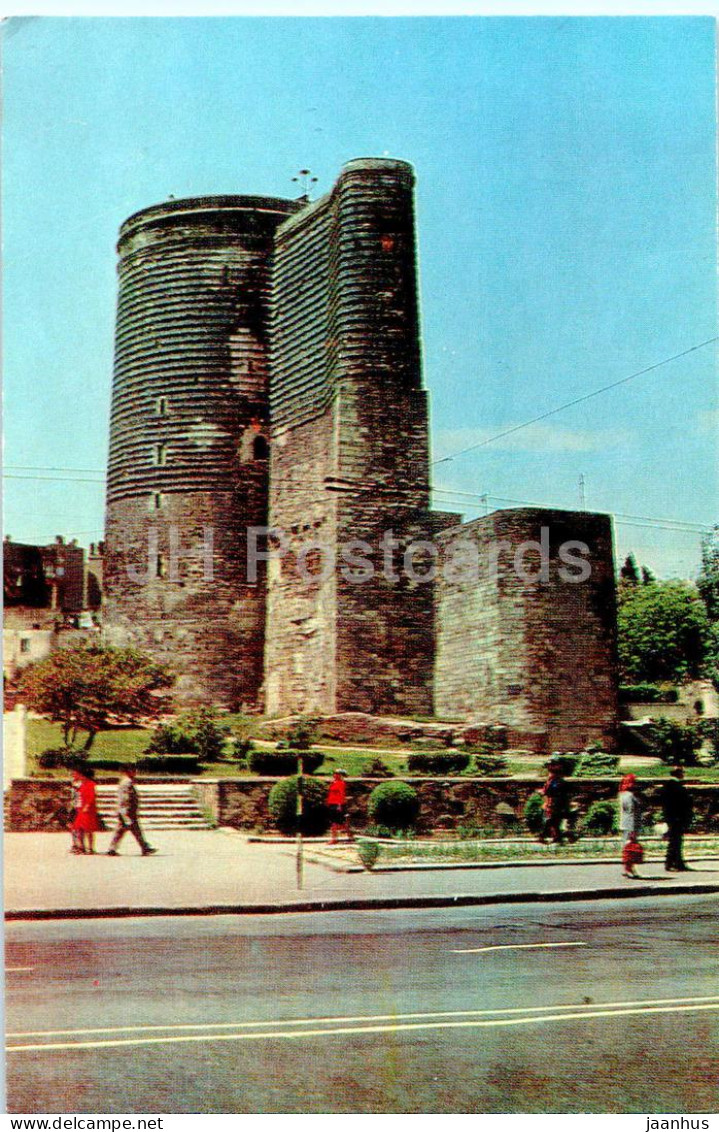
{"points": [[219, 871]]}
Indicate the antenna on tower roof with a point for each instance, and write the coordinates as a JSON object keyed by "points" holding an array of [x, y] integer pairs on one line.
{"points": [[305, 178]]}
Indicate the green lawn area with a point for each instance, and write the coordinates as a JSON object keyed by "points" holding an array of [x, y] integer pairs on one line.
{"points": [[128, 744]]}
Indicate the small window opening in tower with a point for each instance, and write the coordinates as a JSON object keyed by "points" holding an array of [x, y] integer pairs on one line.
{"points": [[160, 568], [159, 455], [260, 448], [161, 406], [157, 500]]}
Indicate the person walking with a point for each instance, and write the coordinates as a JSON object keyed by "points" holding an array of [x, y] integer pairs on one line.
{"points": [[76, 782], [337, 806], [128, 805], [87, 820], [630, 812], [677, 810], [555, 803]]}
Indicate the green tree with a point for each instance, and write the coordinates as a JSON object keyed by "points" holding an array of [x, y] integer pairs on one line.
{"points": [[629, 574], [86, 688], [708, 580], [663, 631]]}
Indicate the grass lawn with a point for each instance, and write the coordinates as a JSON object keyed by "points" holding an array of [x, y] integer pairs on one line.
{"points": [[128, 744]]}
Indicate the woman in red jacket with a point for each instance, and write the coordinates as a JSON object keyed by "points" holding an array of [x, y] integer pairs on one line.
{"points": [[87, 821], [337, 805]]}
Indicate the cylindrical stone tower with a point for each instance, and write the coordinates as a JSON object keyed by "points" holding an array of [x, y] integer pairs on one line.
{"points": [[189, 441]]}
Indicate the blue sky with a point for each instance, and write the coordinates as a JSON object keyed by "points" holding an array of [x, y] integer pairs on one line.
{"points": [[566, 213]]}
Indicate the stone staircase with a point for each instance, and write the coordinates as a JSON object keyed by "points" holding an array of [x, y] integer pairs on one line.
{"points": [[162, 806]]}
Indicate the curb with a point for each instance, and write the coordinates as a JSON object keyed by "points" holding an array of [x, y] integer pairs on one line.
{"points": [[367, 904]]}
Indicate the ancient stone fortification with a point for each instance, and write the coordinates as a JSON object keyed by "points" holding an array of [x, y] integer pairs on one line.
{"points": [[531, 644], [189, 439], [268, 374]]}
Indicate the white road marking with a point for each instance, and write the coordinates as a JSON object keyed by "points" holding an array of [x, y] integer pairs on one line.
{"points": [[511, 947], [395, 1028], [332, 1020], [8, 970]]}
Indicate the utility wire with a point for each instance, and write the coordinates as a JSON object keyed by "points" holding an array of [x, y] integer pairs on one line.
{"points": [[693, 527], [575, 401]]}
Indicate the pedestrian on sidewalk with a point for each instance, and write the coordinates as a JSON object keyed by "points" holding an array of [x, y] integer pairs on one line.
{"points": [[87, 820], [74, 833], [630, 815], [555, 803], [128, 806], [677, 809], [337, 806]]}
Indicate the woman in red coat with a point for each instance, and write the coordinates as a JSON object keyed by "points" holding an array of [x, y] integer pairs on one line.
{"points": [[337, 805], [87, 820]]}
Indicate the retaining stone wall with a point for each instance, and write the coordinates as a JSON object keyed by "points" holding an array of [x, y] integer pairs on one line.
{"points": [[43, 805]]}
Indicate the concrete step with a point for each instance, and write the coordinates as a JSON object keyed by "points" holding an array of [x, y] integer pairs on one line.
{"points": [[161, 807]]}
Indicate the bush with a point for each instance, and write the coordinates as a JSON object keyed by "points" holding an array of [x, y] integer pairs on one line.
{"points": [[375, 768], [675, 743], [280, 763], [597, 764], [567, 760], [533, 812], [437, 762], [647, 694], [239, 750], [709, 731], [282, 804], [394, 804], [368, 852], [303, 734], [601, 818], [487, 765], [56, 757], [193, 732]]}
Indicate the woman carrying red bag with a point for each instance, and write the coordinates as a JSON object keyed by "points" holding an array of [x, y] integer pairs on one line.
{"points": [[630, 811]]}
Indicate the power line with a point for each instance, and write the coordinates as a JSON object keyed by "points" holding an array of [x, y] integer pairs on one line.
{"points": [[50, 479], [575, 401], [695, 527]]}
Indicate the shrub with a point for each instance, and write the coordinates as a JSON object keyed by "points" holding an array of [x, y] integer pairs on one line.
{"points": [[675, 743], [567, 761], [282, 805], [282, 763], [376, 768], [194, 732], [368, 852], [487, 765], [438, 762], [533, 812], [56, 757], [394, 804], [303, 734], [600, 818], [239, 750], [647, 694], [596, 764], [709, 731]]}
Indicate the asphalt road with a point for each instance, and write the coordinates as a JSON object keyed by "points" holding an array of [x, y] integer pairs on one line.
{"points": [[595, 1007]]}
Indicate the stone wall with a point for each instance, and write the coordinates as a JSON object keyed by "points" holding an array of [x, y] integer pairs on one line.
{"points": [[45, 804], [527, 638]]}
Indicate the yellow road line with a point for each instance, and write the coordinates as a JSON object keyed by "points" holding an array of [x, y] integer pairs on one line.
{"points": [[336, 1019], [288, 1035], [511, 947]]}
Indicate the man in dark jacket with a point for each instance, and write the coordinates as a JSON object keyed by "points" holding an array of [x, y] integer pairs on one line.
{"points": [[677, 809]]}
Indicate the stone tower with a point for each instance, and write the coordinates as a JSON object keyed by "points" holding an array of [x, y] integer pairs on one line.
{"points": [[349, 460], [189, 440]]}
